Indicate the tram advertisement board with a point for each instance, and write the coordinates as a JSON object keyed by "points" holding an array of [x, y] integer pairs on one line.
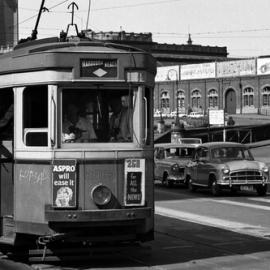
{"points": [[64, 183], [134, 182]]}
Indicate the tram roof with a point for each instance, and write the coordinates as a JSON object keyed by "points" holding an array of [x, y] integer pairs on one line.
{"points": [[55, 45]]}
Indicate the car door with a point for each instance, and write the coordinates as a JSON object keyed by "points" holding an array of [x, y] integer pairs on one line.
{"points": [[192, 166], [203, 166], [159, 160]]}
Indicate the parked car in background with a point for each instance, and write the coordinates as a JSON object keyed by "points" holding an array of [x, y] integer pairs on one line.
{"points": [[157, 114], [196, 115], [174, 113], [226, 165], [170, 162]]}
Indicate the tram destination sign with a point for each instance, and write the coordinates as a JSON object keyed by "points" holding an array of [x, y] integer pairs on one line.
{"points": [[98, 68], [134, 182], [64, 183]]}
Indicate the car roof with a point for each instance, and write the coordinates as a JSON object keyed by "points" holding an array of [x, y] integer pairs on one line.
{"points": [[219, 144], [169, 145]]}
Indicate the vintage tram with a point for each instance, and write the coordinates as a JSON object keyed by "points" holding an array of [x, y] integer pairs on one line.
{"points": [[66, 171]]}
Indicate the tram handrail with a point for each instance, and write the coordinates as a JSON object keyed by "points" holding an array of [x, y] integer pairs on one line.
{"points": [[52, 132], [145, 113]]}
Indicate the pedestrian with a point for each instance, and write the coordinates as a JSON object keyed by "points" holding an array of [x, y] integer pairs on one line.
{"points": [[230, 121]]}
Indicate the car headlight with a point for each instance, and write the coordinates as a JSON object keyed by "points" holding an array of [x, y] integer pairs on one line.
{"points": [[101, 195], [265, 169], [175, 167], [226, 170]]}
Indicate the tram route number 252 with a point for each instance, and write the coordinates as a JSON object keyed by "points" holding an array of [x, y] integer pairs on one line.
{"points": [[133, 163]]}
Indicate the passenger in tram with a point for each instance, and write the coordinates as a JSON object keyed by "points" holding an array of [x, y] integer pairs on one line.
{"points": [[8, 116], [69, 131], [78, 127], [85, 123], [121, 120], [6, 123]]}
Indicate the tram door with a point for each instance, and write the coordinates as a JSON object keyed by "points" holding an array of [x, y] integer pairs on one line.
{"points": [[6, 151], [230, 102]]}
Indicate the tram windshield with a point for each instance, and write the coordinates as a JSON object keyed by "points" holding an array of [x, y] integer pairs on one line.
{"points": [[97, 115]]}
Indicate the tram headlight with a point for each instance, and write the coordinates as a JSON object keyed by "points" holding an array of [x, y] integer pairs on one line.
{"points": [[101, 195]]}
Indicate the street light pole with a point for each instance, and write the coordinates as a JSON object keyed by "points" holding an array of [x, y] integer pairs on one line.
{"points": [[177, 104]]}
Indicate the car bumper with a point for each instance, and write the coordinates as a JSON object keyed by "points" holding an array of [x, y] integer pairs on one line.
{"points": [[243, 182], [176, 179]]}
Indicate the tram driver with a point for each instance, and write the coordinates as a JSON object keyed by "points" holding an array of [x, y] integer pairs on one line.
{"points": [[121, 120]]}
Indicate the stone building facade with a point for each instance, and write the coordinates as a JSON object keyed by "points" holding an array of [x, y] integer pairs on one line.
{"points": [[238, 87], [8, 24], [165, 54]]}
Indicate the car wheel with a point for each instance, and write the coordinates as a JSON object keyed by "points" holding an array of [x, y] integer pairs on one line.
{"points": [[191, 187], [215, 189], [261, 190]]}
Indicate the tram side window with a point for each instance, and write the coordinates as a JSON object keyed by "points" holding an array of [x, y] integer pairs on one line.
{"points": [[6, 114], [35, 115], [97, 115]]}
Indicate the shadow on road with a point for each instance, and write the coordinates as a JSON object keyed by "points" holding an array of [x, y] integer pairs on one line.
{"points": [[176, 244], [179, 192]]}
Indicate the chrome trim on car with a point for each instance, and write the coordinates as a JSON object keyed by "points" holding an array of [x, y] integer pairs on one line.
{"points": [[246, 177]]}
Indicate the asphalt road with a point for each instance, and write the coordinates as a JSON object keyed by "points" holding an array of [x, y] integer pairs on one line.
{"points": [[193, 231]]}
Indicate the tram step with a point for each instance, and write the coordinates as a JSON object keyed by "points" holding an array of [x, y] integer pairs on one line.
{"points": [[8, 227]]}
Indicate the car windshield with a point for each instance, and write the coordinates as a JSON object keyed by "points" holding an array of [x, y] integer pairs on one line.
{"points": [[235, 153], [179, 152]]}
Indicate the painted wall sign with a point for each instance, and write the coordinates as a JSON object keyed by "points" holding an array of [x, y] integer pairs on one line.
{"points": [[216, 117], [198, 71], [236, 68], [98, 68], [169, 73], [263, 66], [134, 182], [64, 183]]}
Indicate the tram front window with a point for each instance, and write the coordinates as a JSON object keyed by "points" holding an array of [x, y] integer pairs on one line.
{"points": [[97, 115]]}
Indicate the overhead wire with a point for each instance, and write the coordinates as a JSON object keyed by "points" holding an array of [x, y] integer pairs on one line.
{"points": [[52, 7]]}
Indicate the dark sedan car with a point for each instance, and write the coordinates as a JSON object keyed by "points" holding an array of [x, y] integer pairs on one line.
{"points": [[170, 162], [225, 165]]}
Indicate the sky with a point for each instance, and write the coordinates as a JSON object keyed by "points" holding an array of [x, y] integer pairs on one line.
{"points": [[243, 26]]}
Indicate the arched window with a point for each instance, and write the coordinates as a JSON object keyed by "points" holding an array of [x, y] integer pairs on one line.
{"points": [[165, 101], [248, 95], [181, 99], [196, 98], [212, 98], [266, 96]]}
